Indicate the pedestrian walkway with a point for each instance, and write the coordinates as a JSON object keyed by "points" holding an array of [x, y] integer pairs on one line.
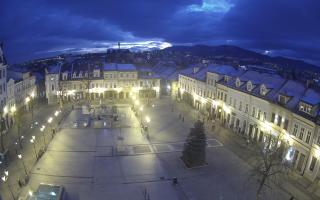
{"points": [[237, 144], [30, 152]]}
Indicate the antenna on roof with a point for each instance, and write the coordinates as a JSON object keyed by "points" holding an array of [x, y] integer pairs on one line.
{"points": [[118, 45]]}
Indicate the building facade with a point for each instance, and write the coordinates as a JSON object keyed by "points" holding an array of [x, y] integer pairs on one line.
{"points": [[21, 88], [259, 104], [76, 81], [3, 79]]}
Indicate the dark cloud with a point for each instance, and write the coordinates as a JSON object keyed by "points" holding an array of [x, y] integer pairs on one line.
{"points": [[35, 27]]}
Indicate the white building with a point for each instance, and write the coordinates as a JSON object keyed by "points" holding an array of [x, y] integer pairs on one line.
{"points": [[3, 79], [77, 80], [257, 104], [21, 87]]}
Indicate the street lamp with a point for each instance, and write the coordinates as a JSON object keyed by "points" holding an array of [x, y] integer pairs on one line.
{"points": [[44, 138], [56, 113], [141, 109], [30, 99], [50, 120], [4, 178], [34, 145], [25, 169], [148, 120], [13, 110]]}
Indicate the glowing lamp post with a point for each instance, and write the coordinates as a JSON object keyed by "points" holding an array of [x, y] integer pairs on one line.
{"points": [[50, 120], [56, 113], [13, 111], [24, 166], [148, 120], [141, 109], [4, 178], [44, 138], [34, 145], [29, 102]]}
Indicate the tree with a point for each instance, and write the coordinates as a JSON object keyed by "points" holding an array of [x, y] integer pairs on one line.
{"points": [[270, 167], [194, 152]]}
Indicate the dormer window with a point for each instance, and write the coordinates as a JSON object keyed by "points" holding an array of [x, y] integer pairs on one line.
{"points": [[263, 90], [282, 99], [305, 107], [249, 86], [226, 78], [80, 74], [238, 82], [74, 75], [64, 76]]}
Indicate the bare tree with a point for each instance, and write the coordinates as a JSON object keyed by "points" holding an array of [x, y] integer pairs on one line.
{"points": [[270, 167]]}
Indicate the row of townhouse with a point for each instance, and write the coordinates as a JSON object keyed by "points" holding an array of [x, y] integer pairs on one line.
{"points": [[256, 104], [17, 90], [79, 80]]}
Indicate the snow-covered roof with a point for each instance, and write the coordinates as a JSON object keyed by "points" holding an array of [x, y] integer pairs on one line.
{"points": [[311, 97], [118, 67], [257, 78], [14, 76], [224, 70], [292, 89], [166, 72], [39, 77], [54, 69], [187, 71], [152, 76]]}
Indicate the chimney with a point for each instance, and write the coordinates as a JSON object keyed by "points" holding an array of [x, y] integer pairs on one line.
{"points": [[308, 83], [195, 69]]}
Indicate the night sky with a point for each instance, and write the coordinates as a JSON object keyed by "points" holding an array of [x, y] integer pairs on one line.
{"points": [[39, 28]]}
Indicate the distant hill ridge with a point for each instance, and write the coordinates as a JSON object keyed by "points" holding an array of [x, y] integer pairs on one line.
{"points": [[240, 53]]}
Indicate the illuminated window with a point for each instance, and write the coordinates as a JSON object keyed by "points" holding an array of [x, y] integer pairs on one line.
{"points": [[286, 124], [308, 137], [273, 117], [279, 120], [295, 129], [264, 116], [301, 133], [313, 163]]}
